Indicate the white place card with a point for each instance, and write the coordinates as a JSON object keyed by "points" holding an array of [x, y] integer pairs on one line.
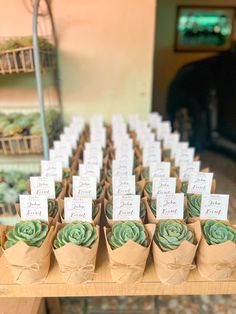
{"points": [[59, 155], [52, 169], [93, 157], [69, 138], [121, 168], [214, 206], [84, 186], [170, 206], [163, 130], [184, 155], [178, 146], [78, 209], [63, 146], [159, 169], [171, 140], [42, 186], [89, 169], [151, 157], [163, 186], [126, 207], [33, 207], [187, 170], [123, 185], [200, 183]]}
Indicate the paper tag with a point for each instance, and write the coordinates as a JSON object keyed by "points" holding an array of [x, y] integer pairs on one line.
{"points": [[43, 186], [178, 146], [214, 206], [78, 209], [170, 206], [151, 157], [163, 130], [71, 138], [91, 170], [163, 186], [121, 168], [171, 140], [200, 183], [84, 186], [33, 207], [93, 157], [59, 155], [126, 207], [52, 169], [184, 156], [159, 169], [60, 146], [187, 170], [123, 185]]}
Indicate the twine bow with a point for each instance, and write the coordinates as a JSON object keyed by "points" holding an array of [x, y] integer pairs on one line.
{"points": [[226, 265], [137, 269], [177, 266], [84, 271], [32, 267]]}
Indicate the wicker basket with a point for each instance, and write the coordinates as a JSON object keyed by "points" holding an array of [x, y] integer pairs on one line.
{"points": [[30, 144], [22, 60]]}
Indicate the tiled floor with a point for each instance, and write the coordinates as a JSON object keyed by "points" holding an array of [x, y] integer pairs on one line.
{"points": [[225, 173]]}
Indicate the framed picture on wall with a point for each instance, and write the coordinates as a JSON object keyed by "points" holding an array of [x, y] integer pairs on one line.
{"points": [[204, 28]]}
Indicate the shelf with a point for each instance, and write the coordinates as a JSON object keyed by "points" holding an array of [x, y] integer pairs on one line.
{"points": [[103, 285]]}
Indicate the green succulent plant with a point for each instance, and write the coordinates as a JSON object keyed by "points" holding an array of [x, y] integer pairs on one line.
{"points": [[216, 232], [58, 188], [36, 129], [194, 205], [109, 210], [184, 187], [52, 208], [148, 188], [66, 174], [122, 232], [170, 234], [79, 233], [145, 173], [32, 232], [166, 153], [12, 129], [99, 190]]}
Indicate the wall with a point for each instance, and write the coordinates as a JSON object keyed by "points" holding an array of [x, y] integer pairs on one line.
{"points": [[106, 55], [167, 61]]}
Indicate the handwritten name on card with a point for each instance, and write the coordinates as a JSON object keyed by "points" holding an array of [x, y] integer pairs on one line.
{"points": [[59, 155], [163, 186], [187, 170], [159, 169], [84, 186], [121, 168], [78, 209], [33, 207], [123, 185], [200, 183], [126, 207], [170, 206], [214, 206], [184, 155], [90, 170], [43, 186], [52, 169]]}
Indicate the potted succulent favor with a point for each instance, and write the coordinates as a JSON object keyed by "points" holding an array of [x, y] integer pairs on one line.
{"points": [[26, 244], [75, 248], [108, 205], [174, 248], [123, 238], [217, 251]]}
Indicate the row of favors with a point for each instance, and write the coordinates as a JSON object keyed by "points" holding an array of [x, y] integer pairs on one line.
{"points": [[177, 249]]}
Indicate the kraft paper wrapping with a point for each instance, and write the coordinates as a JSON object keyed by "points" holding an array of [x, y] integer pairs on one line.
{"points": [[29, 264], [128, 262], [218, 261], [96, 220], [107, 194], [173, 267], [76, 263], [2, 232]]}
